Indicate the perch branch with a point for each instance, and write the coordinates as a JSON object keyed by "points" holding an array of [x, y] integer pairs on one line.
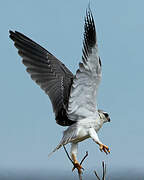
{"points": [[68, 154], [97, 175], [104, 172], [80, 174], [84, 158]]}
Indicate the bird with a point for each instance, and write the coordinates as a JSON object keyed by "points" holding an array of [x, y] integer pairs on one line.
{"points": [[73, 96]]}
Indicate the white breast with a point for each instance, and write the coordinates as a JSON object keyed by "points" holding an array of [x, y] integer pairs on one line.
{"points": [[83, 127]]}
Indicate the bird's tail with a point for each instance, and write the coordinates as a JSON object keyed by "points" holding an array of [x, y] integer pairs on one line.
{"points": [[58, 146], [68, 136], [62, 142]]}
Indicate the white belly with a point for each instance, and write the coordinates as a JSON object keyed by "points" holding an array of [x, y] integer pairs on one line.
{"points": [[81, 135], [83, 130], [80, 130]]}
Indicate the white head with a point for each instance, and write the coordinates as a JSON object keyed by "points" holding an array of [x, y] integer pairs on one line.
{"points": [[104, 116]]}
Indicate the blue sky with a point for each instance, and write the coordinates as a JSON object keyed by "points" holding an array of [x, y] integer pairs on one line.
{"points": [[28, 131]]}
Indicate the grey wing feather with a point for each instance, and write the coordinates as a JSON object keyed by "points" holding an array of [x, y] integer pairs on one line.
{"points": [[82, 101], [48, 72]]}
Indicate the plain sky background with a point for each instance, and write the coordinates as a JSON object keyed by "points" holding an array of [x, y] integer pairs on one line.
{"points": [[28, 131]]}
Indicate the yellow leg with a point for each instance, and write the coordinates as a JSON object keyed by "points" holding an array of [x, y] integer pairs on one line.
{"points": [[104, 148], [76, 164]]}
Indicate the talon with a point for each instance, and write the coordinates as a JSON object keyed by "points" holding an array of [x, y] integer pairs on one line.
{"points": [[104, 148], [78, 167]]}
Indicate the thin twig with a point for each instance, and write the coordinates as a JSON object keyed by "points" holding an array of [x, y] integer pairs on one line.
{"points": [[84, 158], [68, 155], [97, 175], [104, 172], [79, 173], [80, 176]]}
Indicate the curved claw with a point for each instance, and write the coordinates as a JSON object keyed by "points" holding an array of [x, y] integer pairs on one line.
{"points": [[104, 148]]}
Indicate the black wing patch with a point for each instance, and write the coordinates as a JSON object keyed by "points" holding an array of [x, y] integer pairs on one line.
{"points": [[48, 72], [89, 35]]}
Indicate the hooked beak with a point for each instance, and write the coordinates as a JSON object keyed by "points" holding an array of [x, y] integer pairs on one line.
{"points": [[109, 119]]}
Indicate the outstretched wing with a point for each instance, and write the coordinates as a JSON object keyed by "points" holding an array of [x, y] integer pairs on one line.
{"points": [[48, 72], [82, 101]]}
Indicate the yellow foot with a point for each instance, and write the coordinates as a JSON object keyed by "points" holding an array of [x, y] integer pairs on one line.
{"points": [[78, 166], [104, 148]]}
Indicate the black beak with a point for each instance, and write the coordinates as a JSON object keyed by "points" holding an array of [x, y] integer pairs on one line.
{"points": [[109, 119]]}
